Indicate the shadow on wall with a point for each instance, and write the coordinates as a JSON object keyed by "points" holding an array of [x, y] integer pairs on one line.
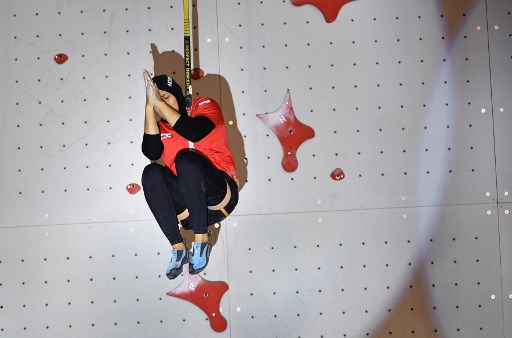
{"points": [[412, 314], [455, 14]]}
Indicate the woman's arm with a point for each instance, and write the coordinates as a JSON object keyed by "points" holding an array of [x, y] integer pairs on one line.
{"points": [[150, 121], [193, 129], [152, 146]]}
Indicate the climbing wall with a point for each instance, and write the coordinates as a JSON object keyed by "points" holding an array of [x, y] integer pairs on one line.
{"points": [[387, 116], [394, 221]]}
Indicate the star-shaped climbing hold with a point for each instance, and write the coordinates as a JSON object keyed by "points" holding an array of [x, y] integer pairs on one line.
{"points": [[204, 294], [289, 130], [329, 8]]}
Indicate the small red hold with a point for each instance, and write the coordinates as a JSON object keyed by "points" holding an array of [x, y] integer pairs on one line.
{"points": [[133, 188], [337, 174], [60, 58], [197, 73]]}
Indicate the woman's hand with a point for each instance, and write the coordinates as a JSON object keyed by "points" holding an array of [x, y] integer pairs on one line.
{"points": [[156, 105], [152, 92]]}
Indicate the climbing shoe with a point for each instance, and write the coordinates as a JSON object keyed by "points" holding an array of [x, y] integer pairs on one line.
{"points": [[178, 259], [199, 257]]}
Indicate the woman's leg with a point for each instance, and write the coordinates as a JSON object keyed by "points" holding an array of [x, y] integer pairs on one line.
{"points": [[160, 187], [162, 195], [200, 185]]}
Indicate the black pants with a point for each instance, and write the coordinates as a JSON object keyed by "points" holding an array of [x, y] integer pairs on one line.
{"points": [[197, 185]]}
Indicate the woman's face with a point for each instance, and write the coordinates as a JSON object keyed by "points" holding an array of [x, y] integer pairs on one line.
{"points": [[169, 99]]}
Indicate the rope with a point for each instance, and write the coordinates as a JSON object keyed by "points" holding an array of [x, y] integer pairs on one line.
{"points": [[188, 80]]}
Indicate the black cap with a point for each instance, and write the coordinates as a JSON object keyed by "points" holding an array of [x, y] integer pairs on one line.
{"points": [[166, 83]]}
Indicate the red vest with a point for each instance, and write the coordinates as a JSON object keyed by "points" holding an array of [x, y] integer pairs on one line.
{"points": [[214, 146]]}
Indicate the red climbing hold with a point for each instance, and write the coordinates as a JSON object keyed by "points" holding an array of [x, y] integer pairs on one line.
{"points": [[289, 130], [329, 8], [204, 294], [60, 58], [133, 188], [337, 174], [197, 73]]}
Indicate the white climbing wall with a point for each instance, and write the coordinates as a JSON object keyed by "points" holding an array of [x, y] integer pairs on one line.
{"points": [[411, 99]]}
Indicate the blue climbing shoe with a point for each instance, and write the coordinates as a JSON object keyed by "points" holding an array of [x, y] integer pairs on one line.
{"points": [[178, 259], [199, 257]]}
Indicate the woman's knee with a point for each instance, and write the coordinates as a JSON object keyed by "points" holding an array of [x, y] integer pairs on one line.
{"points": [[153, 174], [188, 160]]}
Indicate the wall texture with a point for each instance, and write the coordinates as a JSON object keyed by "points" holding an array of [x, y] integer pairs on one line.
{"points": [[411, 99]]}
